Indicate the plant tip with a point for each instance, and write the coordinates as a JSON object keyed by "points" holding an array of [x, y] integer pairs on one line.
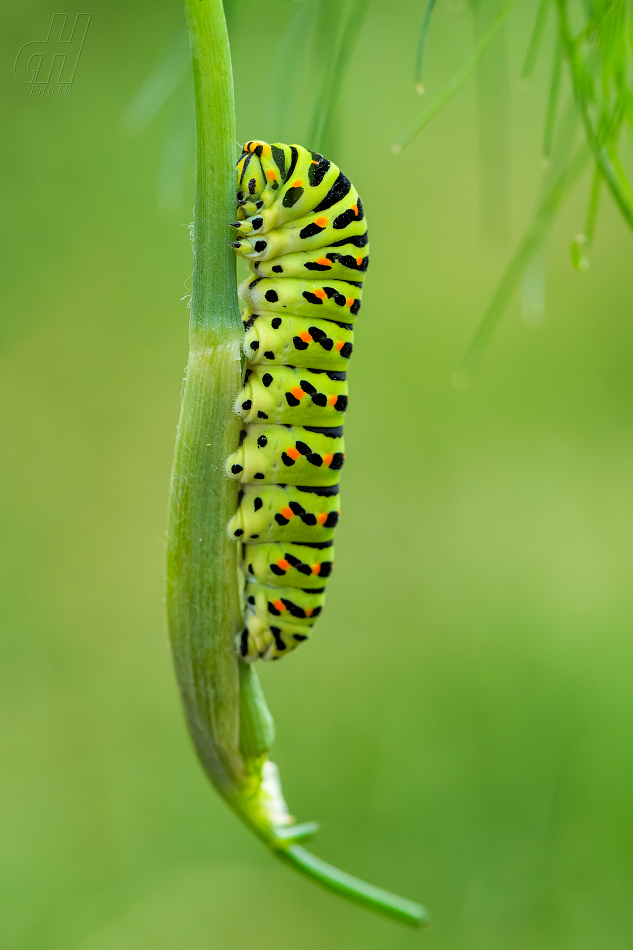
{"points": [[419, 88], [579, 260], [396, 148]]}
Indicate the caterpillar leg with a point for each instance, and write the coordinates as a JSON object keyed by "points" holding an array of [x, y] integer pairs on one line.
{"points": [[263, 641], [277, 619]]}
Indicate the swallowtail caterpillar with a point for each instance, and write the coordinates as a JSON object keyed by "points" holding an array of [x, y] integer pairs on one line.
{"points": [[302, 229]]}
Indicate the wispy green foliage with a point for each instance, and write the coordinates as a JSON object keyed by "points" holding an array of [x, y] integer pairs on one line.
{"points": [[581, 245], [455, 84], [599, 58], [520, 260], [319, 40], [492, 83], [168, 84], [340, 45], [594, 51], [553, 101], [536, 40], [289, 56], [419, 59], [161, 83]]}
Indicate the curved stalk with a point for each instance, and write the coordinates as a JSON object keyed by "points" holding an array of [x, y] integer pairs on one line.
{"points": [[225, 708], [202, 596]]}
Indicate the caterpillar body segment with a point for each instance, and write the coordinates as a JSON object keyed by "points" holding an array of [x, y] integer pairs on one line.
{"points": [[293, 394], [343, 263], [332, 300], [289, 340], [286, 454], [301, 226], [285, 513], [302, 566], [305, 234]]}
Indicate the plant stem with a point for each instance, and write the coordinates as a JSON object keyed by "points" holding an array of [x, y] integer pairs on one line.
{"points": [[399, 908], [202, 596], [225, 707]]}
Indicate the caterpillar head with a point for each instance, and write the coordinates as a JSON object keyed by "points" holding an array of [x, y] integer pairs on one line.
{"points": [[258, 178]]}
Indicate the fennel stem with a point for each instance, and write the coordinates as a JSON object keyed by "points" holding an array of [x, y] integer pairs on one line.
{"points": [[224, 706]]}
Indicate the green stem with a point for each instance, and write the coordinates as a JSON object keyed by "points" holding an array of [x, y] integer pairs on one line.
{"points": [[224, 705], [202, 598], [399, 908]]}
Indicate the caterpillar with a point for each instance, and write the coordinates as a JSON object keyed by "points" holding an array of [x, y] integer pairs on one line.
{"points": [[302, 228]]}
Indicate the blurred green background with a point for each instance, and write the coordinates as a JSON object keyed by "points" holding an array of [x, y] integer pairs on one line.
{"points": [[461, 721]]}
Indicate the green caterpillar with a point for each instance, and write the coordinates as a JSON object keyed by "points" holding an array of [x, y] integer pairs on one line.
{"points": [[303, 231]]}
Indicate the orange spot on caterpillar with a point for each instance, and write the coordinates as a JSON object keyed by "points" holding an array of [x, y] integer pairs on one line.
{"points": [[283, 564], [355, 209], [332, 400], [320, 293], [324, 262], [297, 184], [359, 261], [349, 301], [322, 222], [309, 611], [287, 513], [322, 518], [316, 568], [339, 345], [279, 605], [297, 392], [293, 453], [305, 336], [271, 175], [327, 459]]}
